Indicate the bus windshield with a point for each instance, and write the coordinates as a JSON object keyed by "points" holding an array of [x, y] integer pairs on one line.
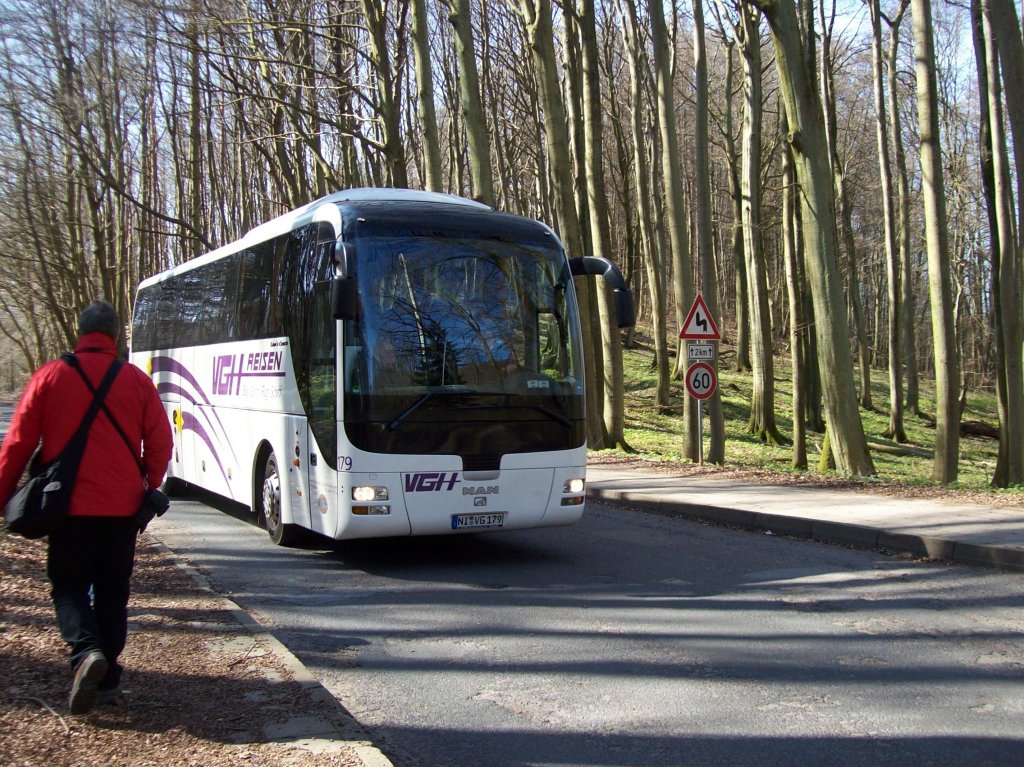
{"points": [[463, 328]]}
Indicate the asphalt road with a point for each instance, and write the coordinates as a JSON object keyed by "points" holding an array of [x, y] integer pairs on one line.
{"points": [[636, 639]]}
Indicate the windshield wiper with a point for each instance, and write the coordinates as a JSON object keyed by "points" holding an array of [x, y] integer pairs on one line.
{"points": [[397, 420]]}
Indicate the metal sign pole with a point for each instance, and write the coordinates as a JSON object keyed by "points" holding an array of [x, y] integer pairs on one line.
{"points": [[700, 432]]}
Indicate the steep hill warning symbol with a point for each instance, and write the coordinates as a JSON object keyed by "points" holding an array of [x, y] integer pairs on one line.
{"points": [[699, 325]]}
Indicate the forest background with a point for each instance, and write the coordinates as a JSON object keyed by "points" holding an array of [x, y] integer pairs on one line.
{"points": [[837, 179]]}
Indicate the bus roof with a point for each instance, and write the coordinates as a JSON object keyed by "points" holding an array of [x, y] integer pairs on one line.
{"points": [[292, 219]]}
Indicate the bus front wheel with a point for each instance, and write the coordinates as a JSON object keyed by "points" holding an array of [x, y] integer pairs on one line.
{"points": [[269, 499]]}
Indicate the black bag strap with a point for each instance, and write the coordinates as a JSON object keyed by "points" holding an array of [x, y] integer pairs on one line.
{"points": [[72, 360], [73, 450]]}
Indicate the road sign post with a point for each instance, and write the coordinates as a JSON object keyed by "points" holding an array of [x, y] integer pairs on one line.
{"points": [[701, 379]]}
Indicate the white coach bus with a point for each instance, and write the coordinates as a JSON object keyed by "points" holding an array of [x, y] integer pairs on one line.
{"points": [[378, 363]]}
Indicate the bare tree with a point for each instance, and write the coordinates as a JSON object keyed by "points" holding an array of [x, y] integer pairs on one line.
{"points": [[536, 16], [600, 236], [762, 423], [389, 91], [895, 429], [813, 171], [425, 98], [639, 78], [828, 100], [702, 205], [1004, 52], [947, 364], [477, 137], [675, 215]]}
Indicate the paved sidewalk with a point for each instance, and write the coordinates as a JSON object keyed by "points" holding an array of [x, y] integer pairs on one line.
{"points": [[965, 533]]}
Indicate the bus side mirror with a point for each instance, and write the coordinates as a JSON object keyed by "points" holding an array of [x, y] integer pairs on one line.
{"points": [[345, 299], [623, 296]]}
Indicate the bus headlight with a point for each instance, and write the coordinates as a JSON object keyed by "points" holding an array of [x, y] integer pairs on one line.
{"points": [[366, 493], [574, 486]]}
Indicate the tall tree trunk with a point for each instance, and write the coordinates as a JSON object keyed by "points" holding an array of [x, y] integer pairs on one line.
{"points": [[1002, 35], [845, 213], [995, 207], [908, 299], [426, 113], [537, 17], [895, 429], [597, 203], [388, 95], [675, 211], [479, 142], [702, 203], [742, 359], [947, 364], [794, 287], [807, 138], [195, 164], [644, 199], [762, 406]]}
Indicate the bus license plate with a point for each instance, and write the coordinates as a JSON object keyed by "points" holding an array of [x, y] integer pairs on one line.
{"points": [[463, 521]]}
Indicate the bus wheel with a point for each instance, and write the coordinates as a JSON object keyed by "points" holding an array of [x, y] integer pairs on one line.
{"points": [[270, 505]]}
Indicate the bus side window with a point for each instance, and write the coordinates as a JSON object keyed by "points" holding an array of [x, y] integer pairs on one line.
{"points": [[167, 315], [254, 291], [218, 316], [144, 319], [193, 296]]}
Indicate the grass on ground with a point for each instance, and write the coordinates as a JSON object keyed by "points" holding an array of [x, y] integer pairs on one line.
{"points": [[656, 434]]}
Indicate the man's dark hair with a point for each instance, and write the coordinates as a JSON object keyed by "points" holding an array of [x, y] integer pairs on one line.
{"points": [[99, 317]]}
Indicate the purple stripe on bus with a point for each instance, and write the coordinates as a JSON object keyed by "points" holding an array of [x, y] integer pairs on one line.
{"points": [[171, 365], [165, 387], [188, 421]]}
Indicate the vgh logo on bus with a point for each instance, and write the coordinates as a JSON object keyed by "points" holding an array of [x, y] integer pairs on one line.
{"points": [[230, 369], [227, 372], [431, 481]]}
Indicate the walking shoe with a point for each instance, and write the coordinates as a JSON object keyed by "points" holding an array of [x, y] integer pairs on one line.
{"points": [[87, 675]]}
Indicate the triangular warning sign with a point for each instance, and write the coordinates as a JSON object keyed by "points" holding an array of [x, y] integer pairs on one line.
{"points": [[699, 325]]}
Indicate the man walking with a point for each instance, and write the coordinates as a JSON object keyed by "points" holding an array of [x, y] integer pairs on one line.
{"points": [[91, 556]]}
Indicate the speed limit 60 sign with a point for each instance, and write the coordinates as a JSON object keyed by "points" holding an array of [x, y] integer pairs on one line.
{"points": [[701, 380]]}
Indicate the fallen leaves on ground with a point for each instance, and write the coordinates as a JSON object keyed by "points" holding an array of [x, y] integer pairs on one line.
{"points": [[201, 689]]}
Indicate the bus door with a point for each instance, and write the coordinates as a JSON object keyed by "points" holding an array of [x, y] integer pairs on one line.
{"points": [[183, 420], [161, 370], [322, 415]]}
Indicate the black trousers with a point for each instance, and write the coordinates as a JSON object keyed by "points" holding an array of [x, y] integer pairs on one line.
{"points": [[89, 564]]}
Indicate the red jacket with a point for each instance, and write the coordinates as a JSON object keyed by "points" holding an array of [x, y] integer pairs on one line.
{"points": [[109, 482]]}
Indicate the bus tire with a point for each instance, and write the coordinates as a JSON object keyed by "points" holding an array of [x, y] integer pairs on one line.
{"points": [[269, 502]]}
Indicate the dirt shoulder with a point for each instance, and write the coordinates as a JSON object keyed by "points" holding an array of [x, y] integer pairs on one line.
{"points": [[203, 689]]}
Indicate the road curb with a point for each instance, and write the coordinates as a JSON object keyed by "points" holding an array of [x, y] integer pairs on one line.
{"points": [[844, 533], [343, 727]]}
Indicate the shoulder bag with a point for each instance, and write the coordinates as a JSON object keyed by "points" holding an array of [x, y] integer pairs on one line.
{"points": [[40, 505]]}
